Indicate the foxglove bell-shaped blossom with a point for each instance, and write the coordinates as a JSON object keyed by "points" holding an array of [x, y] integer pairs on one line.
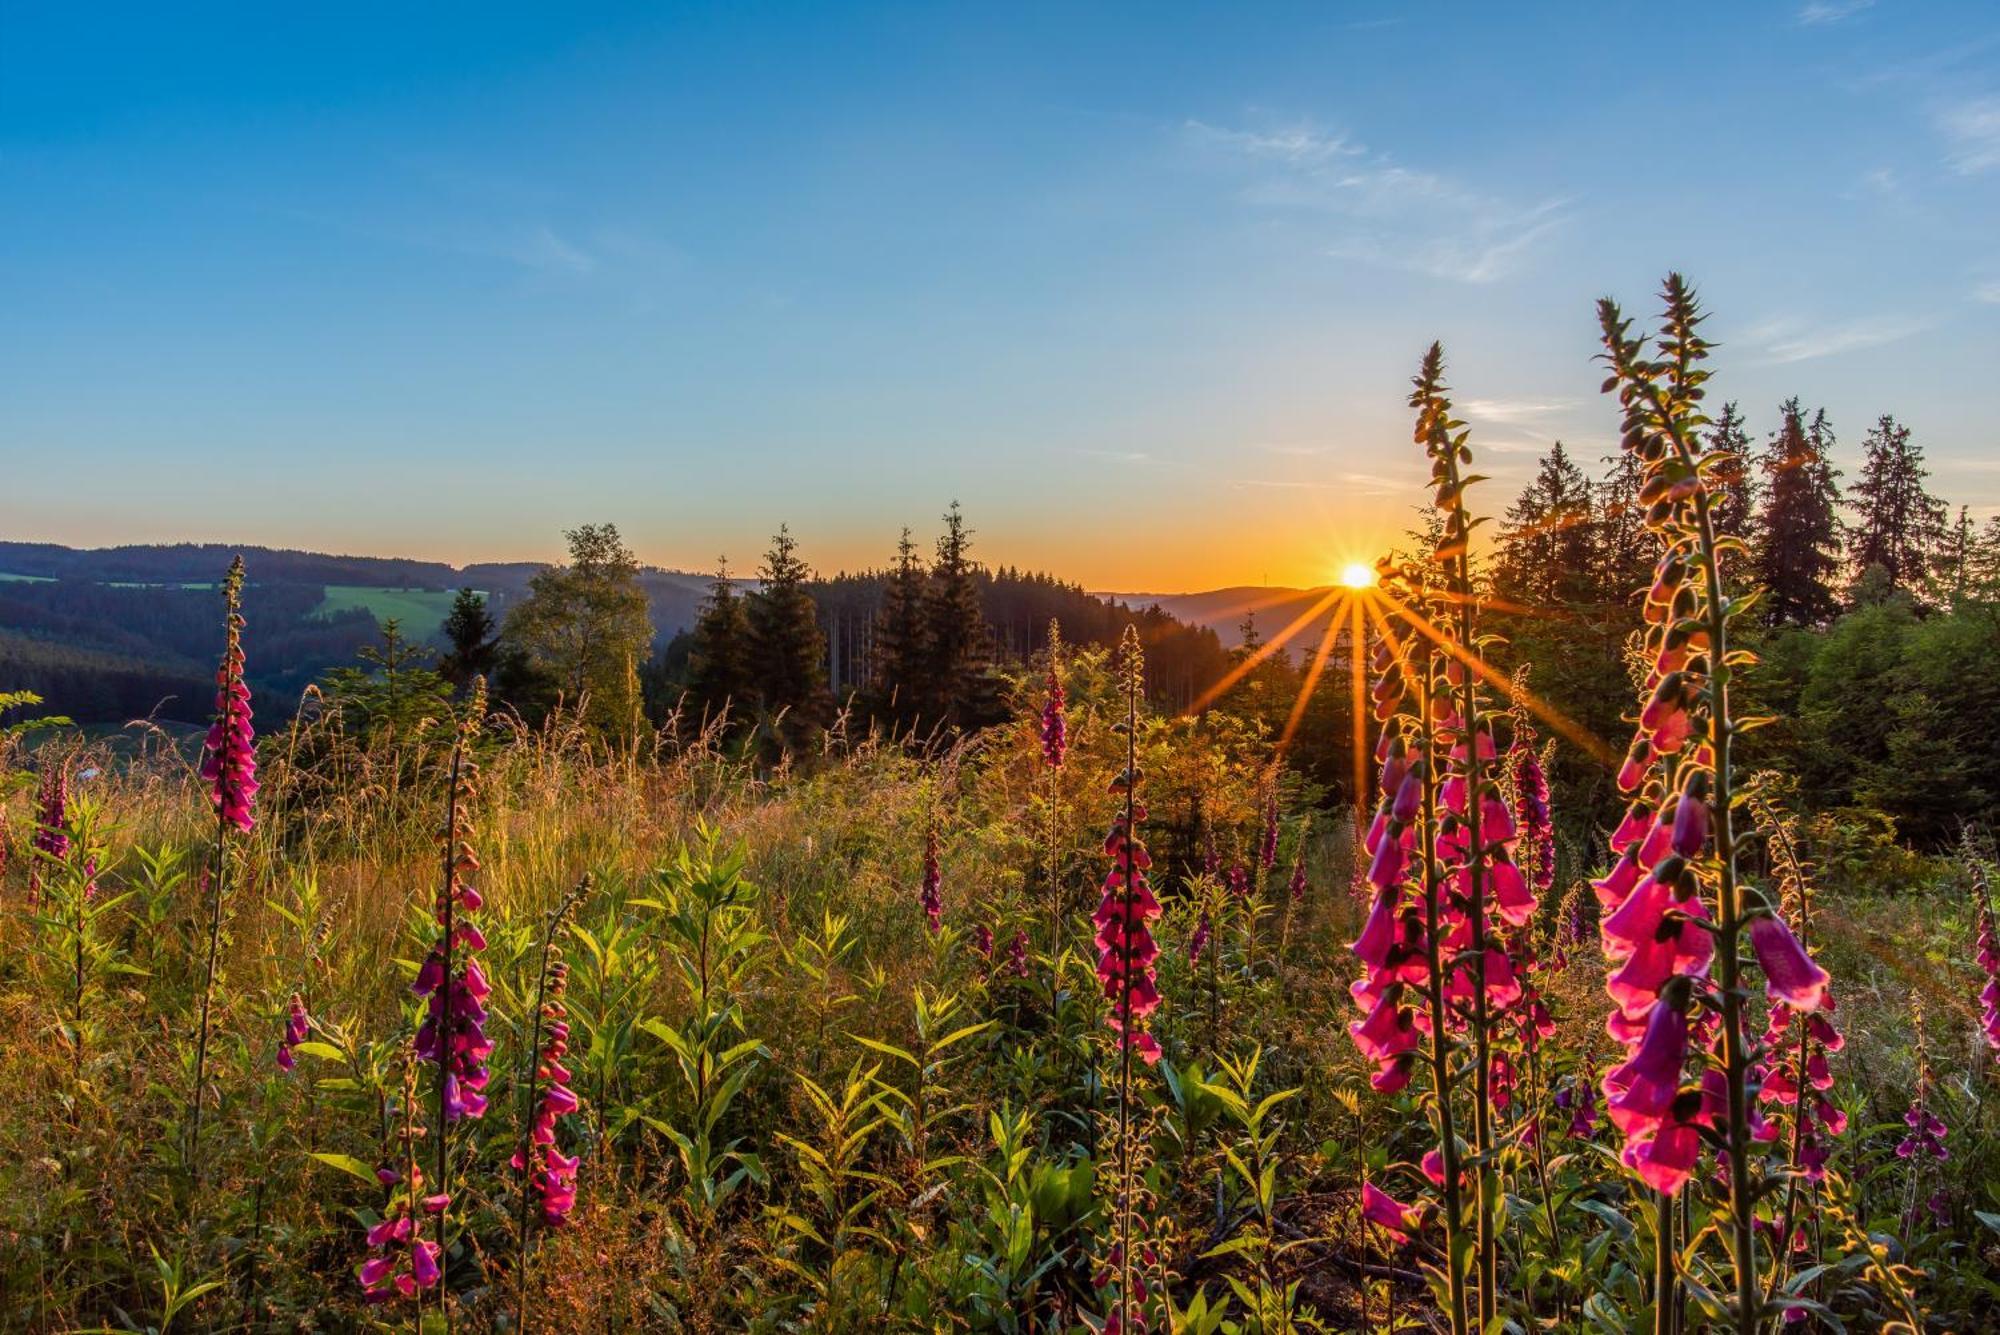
{"points": [[229, 757]]}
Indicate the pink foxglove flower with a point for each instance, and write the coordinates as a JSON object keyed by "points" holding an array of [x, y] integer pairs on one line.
{"points": [[551, 1175], [930, 894], [297, 1026], [1054, 726], [1387, 1213], [1198, 939], [1986, 954], [229, 758], [453, 1033], [51, 838], [1126, 950], [1017, 953]]}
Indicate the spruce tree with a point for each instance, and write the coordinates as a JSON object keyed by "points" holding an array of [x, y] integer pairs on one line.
{"points": [[1624, 565], [1734, 481], [1548, 547], [719, 660], [787, 647], [468, 629], [1799, 527], [959, 686], [1899, 526], [902, 640]]}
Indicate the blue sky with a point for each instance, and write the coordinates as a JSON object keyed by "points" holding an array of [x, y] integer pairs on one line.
{"points": [[1141, 285]]}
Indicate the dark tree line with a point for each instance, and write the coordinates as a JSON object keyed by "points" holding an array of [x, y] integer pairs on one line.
{"points": [[1877, 610], [921, 645]]}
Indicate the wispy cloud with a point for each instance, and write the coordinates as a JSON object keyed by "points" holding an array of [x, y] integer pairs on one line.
{"points": [[1374, 484], [1788, 339], [1385, 213], [1298, 144], [1280, 483], [539, 248], [1988, 292], [1514, 410], [1971, 126], [1817, 13], [1121, 456]]}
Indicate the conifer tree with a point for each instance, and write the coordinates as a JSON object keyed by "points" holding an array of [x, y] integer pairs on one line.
{"points": [[961, 689], [1548, 548], [719, 660], [1250, 639], [787, 647], [1624, 562], [1800, 523], [468, 629], [1733, 483], [902, 643], [1899, 526]]}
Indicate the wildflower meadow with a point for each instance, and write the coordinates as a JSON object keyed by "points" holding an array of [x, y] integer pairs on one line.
{"points": [[1084, 1006]]}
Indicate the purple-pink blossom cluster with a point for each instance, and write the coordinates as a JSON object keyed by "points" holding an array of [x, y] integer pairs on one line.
{"points": [[1986, 953], [551, 1174], [401, 1260], [453, 1033], [229, 757], [930, 891], [296, 1026], [51, 838], [1126, 950], [1054, 724]]}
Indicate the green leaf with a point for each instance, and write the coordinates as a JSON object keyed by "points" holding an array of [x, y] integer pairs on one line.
{"points": [[346, 1163]]}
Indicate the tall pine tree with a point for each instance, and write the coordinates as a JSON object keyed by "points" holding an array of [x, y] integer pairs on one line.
{"points": [[1734, 479], [959, 683], [468, 629], [1899, 526], [787, 647], [1799, 552], [719, 660], [1549, 547], [902, 639], [1624, 548]]}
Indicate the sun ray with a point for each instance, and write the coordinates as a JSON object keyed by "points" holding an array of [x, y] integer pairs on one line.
{"points": [[1549, 714], [1270, 646], [1357, 684], [1311, 682]]}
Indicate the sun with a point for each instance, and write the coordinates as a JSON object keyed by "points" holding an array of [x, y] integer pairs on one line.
{"points": [[1355, 575]]}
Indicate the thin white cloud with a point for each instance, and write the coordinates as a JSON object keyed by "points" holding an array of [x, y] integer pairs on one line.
{"points": [[1788, 340], [1120, 456], [1384, 213], [1972, 127], [1513, 410], [1818, 13], [1280, 483], [1988, 292], [540, 248], [1293, 144], [1374, 484]]}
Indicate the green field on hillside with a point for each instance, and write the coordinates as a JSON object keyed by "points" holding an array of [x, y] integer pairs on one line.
{"points": [[420, 612]]}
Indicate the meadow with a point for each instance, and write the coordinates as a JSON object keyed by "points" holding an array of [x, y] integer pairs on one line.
{"points": [[418, 611], [1102, 1018]]}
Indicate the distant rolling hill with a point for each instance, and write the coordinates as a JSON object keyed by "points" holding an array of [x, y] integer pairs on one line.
{"points": [[1223, 610], [114, 632]]}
